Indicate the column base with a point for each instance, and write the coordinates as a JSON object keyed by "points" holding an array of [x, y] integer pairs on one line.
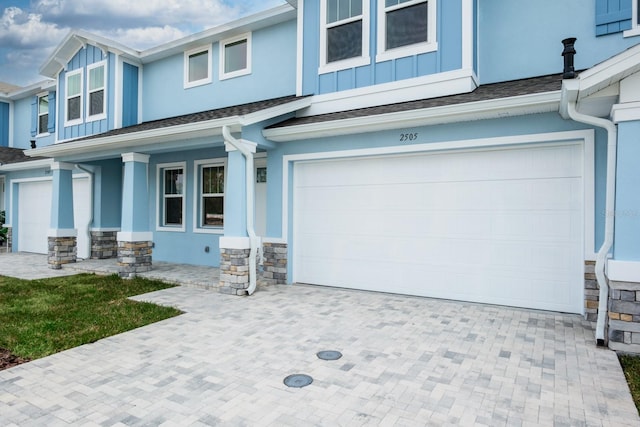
{"points": [[624, 316], [234, 271], [275, 263], [134, 258], [104, 244], [62, 250]]}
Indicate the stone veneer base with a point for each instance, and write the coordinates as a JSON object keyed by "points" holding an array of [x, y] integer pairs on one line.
{"points": [[624, 316], [234, 271], [104, 244], [275, 263], [62, 250], [591, 292], [133, 258]]}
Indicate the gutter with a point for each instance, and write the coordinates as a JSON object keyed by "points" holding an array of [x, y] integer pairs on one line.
{"points": [[601, 258], [250, 193], [91, 171]]}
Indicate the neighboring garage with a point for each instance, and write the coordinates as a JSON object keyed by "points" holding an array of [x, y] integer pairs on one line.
{"points": [[501, 226], [34, 215]]}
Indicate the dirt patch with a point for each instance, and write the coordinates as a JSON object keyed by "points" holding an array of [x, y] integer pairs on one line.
{"points": [[8, 360]]}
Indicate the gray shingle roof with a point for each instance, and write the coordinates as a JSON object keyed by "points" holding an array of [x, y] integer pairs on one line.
{"points": [[482, 93], [13, 155]]}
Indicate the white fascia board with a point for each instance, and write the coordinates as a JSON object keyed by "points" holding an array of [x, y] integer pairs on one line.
{"points": [[610, 71], [31, 164], [279, 110], [30, 90], [431, 86], [480, 110], [253, 22], [569, 93]]}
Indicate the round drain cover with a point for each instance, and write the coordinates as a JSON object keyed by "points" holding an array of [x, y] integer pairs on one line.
{"points": [[298, 380], [329, 355]]}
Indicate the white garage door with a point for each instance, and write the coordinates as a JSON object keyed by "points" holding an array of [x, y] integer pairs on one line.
{"points": [[494, 226], [34, 215]]}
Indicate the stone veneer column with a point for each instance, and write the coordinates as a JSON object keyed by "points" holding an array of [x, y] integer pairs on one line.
{"points": [[104, 244], [133, 258], [62, 235], [62, 250], [591, 292], [275, 263], [624, 316]]}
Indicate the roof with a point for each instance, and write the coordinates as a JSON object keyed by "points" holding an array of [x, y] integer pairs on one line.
{"points": [[487, 92], [12, 155]]}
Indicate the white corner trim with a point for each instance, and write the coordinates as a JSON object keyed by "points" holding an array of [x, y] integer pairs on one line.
{"points": [[467, 34], [135, 157], [249, 145], [623, 271], [227, 242], [134, 236], [626, 112], [62, 232], [299, 47]]}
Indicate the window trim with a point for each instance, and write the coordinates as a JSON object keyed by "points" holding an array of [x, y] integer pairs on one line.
{"points": [[635, 20], [38, 130], [187, 55], [223, 44], [430, 45], [197, 195], [358, 61], [102, 115], [160, 197], [79, 120]]}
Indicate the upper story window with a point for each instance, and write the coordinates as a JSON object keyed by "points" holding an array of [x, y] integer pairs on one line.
{"points": [[43, 114], [73, 99], [171, 181], [235, 56], [197, 67], [344, 38], [96, 89], [406, 27], [209, 196]]}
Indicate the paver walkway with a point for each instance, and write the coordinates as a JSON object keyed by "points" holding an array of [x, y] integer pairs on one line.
{"points": [[406, 361]]}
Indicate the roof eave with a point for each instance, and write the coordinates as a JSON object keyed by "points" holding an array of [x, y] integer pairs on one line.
{"points": [[27, 165], [480, 110]]}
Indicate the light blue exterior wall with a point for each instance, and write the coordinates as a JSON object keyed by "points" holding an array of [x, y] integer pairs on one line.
{"points": [[108, 193], [62, 200], [627, 210], [22, 123], [4, 124], [448, 57], [524, 39], [273, 74], [86, 56]]}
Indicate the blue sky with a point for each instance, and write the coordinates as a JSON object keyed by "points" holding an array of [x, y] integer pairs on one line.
{"points": [[31, 29]]}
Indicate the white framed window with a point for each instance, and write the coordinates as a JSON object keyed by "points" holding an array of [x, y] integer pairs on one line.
{"points": [[635, 20], [197, 66], [96, 85], [208, 209], [171, 186], [73, 98], [43, 114], [344, 34], [235, 56], [406, 27]]}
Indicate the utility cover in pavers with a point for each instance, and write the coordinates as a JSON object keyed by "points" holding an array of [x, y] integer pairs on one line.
{"points": [[298, 380]]}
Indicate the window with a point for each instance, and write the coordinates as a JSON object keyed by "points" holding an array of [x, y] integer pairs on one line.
{"points": [[73, 113], [209, 196], [406, 27], [171, 186], [43, 114], [235, 57], [344, 41], [197, 67], [96, 85]]}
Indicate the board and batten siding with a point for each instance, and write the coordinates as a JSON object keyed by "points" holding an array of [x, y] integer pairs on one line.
{"points": [[4, 124], [129, 94]]}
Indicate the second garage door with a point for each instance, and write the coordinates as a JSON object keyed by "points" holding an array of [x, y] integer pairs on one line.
{"points": [[500, 226]]}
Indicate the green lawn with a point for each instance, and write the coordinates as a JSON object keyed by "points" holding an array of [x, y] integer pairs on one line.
{"points": [[42, 317], [631, 368]]}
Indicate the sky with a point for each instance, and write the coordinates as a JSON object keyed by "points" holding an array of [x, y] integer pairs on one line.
{"points": [[31, 29]]}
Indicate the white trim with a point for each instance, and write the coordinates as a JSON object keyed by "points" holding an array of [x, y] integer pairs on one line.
{"points": [[103, 115], [588, 198], [11, 119], [276, 240], [30, 165], [117, 93], [467, 34], [62, 166], [135, 157], [623, 271], [480, 110], [197, 165], [62, 232], [299, 47], [227, 242], [105, 229], [58, 119], [626, 112], [79, 120], [363, 59], [431, 45], [134, 236], [140, 90], [587, 136], [160, 168], [435, 85], [635, 25], [206, 48], [222, 48], [46, 132]]}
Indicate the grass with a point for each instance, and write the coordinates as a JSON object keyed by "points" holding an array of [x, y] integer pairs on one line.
{"points": [[42, 317], [631, 368]]}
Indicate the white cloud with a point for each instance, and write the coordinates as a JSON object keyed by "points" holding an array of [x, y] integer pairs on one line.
{"points": [[26, 30], [144, 38]]}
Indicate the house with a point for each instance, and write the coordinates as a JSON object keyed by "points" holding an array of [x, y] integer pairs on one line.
{"points": [[444, 148]]}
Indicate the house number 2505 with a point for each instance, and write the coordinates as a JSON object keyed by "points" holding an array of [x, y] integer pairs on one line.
{"points": [[404, 137]]}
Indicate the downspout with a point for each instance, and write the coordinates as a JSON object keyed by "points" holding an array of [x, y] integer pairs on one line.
{"points": [[91, 172], [253, 240], [601, 258]]}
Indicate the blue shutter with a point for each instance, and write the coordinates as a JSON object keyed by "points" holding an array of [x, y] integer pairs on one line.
{"points": [[4, 124], [34, 116], [612, 16], [51, 126]]}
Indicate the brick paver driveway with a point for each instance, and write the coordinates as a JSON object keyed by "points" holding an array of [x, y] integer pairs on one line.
{"points": [[406, 361]]}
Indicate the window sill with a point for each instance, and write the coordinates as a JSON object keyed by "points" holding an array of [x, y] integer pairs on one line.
{"points": [[632, 32], [171, 229], [344, 64], [189, 85], [233, 74], [73, 122], [209, 230], [43, 135], [405, 51], [96, 118]]}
